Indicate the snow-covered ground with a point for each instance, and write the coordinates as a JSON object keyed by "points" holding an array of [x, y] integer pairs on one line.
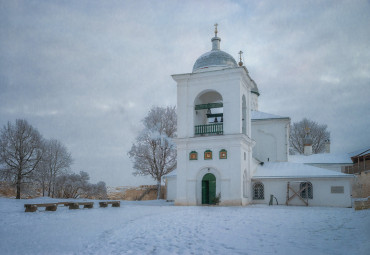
{"points": [[158, 227]]}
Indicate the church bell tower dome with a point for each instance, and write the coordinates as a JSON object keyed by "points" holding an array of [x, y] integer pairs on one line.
{"points": [[215, 59]]}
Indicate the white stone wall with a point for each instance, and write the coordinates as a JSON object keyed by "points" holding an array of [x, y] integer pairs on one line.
{"points": [[322, 195], [228, 172], [192, 89], [230, 83], [272, 139], [171, 188], [254, 102]]}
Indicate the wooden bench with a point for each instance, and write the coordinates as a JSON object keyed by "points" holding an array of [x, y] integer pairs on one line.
{"points": [[64, 203], [76, 205], [33, 207], [53, 206], [113, 203]]}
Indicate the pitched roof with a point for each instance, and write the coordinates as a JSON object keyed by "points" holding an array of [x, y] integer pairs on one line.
{"points": [[272, 170], [257, 115], [360, 152], [322, 158]]}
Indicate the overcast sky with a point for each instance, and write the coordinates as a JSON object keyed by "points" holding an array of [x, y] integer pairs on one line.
{"points": [[87, 72]]}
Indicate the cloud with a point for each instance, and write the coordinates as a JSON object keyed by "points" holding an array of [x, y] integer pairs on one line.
{"points": [[87, 72]]}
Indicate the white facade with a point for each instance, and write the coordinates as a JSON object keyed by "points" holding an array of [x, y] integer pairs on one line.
{"points": [[231, 87], [329, 188], [321, 189], [225, 145], [228, 86], [272, 139], [171, 186]]}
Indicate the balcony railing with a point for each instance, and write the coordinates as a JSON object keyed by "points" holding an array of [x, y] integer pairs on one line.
{"points": [[217, 129]]}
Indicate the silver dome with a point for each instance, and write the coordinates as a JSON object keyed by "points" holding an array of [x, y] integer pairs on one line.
{"points": [[214, 58]]}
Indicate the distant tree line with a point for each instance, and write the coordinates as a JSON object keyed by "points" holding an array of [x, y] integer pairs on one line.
{"points": [[29, 160]]}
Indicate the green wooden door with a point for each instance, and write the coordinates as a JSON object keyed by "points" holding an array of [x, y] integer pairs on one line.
{"points": [[208, 189]]}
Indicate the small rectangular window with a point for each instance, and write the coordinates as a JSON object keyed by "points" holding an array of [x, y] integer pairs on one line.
{"points": [[337, 189], [208, 155]]}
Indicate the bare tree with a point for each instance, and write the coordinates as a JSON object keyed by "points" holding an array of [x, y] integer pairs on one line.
{"points": [[95, 191], [41, 177], [56, 160], [318, 133], [71, 185], [154, 152], [20, 152]]}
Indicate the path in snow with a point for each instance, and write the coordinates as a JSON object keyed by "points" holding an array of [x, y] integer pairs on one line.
{"points": [[235, 230], [153, 227]]}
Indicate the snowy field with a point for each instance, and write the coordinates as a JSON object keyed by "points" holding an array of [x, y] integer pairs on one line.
{"points": [[158, 227]]}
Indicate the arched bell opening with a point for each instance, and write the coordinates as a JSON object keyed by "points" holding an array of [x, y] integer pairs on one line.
{"points": [[209, 113], [208, 189]]}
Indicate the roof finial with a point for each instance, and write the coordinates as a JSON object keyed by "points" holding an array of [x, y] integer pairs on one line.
{"points": [[240, 58], [216, 40]]}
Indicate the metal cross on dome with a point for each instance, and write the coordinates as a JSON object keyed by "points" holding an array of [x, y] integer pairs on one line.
{"points": [[216, 29], [240, 58]]}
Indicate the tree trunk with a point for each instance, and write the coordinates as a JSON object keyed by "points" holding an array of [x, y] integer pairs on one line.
{"points": [[158, 190], [49, 188], [53, 190], [19, 180], [43, 188]]}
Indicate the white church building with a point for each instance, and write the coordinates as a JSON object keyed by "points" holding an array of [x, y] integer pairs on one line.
{"points": [[227, 148]]}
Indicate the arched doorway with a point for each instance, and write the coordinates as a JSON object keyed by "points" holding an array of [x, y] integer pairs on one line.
{"points": [[208, 189]]}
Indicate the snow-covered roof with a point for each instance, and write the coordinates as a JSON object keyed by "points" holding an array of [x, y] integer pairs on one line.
{"points": [[322, 158], [294, 170], [360, 152], [257, 115]]}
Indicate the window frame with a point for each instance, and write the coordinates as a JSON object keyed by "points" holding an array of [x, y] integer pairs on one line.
{"points": [[208, 152], [306, 193], [193, 153], [223, 151], [258, 191]]}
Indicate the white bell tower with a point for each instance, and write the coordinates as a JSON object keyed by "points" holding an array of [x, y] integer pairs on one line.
{"points": [[214, 148]]}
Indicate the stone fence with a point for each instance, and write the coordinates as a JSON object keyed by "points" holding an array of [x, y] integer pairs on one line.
{"points": [[362, 204]]}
